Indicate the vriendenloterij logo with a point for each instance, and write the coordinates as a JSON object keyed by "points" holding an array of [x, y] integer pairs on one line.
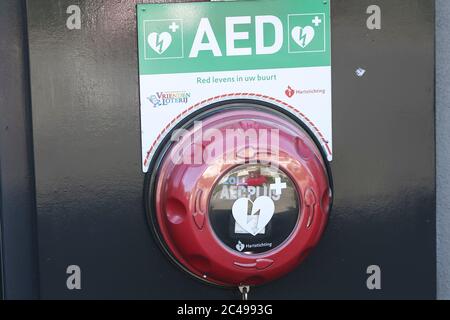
{"points": [[160, 99]]}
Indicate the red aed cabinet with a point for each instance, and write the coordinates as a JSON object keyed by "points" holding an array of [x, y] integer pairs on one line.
{"points": [[190, 202]]}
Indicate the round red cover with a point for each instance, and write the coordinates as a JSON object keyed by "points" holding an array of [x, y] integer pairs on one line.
{"points": [[183, 193]]}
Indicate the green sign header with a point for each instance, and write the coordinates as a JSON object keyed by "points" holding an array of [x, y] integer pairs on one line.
{"points": [[225, 36]]}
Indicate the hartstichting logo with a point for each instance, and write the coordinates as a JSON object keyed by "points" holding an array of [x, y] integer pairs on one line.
{"points": [[240, 246], [169, 97], [290, 91]]}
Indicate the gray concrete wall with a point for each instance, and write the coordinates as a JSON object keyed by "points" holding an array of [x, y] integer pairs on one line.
{"points": [[443, 146]]}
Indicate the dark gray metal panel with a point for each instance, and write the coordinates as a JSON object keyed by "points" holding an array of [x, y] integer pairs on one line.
{"points": [[384, 137], [17, 209], [87, 156], [443, 145]]}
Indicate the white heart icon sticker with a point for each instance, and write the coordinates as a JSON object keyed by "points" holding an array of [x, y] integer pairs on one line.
{"points": [[159, 42], [264, 205], [303, 36]]}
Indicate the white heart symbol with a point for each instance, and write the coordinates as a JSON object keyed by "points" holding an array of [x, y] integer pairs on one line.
{"points": [[303, 36], [159, 42], [266, 209]]}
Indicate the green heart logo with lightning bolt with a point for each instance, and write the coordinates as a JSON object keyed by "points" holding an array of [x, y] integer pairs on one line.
{"points": [[159, 42]]}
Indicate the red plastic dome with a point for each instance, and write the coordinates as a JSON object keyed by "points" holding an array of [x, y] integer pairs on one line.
{"points": [[232, 213]]}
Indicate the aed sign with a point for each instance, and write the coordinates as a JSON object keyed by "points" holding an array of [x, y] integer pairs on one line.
{"points": [[194, 51], [259, 35], [234, 36]]}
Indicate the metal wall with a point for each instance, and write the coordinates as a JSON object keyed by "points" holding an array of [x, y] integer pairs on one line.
{"points": [[17, 207], [443, 145]]}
